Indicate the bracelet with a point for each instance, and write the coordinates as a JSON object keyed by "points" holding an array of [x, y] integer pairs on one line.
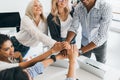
{"points": [[53, 57]]}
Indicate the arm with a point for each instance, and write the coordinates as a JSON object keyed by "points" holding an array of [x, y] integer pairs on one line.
{"points": [[72, 56], [103, 30], [72, 69], [74, 26], [38, 68], [88, 47], [35, 60], [49, 61], [28, 25], [18, 56], [54, 28], [106, 18], [57, 47], [70, 36]]}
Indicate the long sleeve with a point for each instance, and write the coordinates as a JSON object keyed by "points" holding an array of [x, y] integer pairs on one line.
{"points": [[54, 28], [75, 22], [104, 25], [36, 70], [30, 27]]}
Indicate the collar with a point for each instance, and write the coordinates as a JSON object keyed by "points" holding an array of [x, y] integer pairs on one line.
{"points": [[97, 4]]}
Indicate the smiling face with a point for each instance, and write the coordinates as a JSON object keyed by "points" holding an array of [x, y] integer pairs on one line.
{"points": [[86, 2], [7, 49], [62, 3], [37, 8]]}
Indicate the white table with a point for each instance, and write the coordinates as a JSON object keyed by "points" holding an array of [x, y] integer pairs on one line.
{"points": [[104, 73]]}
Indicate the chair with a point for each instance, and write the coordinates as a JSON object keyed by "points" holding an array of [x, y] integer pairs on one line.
{"points": [[10, 19]]}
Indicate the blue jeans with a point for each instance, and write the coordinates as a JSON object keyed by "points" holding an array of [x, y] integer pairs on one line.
{"points": [[100, 53], [19, 47]]}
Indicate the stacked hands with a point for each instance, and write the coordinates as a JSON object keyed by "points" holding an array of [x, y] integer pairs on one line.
{"points": [[67, 50]]}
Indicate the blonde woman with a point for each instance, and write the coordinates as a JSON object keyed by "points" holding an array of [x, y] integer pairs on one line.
{"points": [[59, 20], [33, 29]]}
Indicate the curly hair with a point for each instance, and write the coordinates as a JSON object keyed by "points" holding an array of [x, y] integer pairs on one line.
{"points": [[3, 38]]}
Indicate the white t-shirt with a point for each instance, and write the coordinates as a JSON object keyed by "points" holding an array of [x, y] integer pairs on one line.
{"points": [[31, 35], [65, 25], [5, 65]]}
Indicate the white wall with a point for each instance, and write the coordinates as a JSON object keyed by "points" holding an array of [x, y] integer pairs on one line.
{"points": [[20, 5]]}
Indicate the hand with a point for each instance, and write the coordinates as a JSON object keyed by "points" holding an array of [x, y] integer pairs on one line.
{"points": [[64, 52], [60, 56], [18, 55], [58, 46], [66, 45], [73, 52]]}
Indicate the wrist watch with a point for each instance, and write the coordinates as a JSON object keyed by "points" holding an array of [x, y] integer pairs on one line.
{"points": [[80, 52], [53, 57]]}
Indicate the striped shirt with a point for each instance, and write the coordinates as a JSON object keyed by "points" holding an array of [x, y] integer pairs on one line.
{"points": [[94, 24], [33, 71], [37, 69]]}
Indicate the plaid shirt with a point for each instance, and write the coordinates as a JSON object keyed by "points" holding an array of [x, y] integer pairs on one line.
{"points": [[94, 24]]}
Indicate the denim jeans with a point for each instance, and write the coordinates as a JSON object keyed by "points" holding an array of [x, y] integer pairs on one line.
{"points": [[100, 53], [19, 47]]}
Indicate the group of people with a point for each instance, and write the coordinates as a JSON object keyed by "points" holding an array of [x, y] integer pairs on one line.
{"points": [[12, 70], [63, 22]]}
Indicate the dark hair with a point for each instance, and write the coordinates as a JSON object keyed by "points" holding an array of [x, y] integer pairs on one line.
{"points": [[15, 73], [3, 38]]}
